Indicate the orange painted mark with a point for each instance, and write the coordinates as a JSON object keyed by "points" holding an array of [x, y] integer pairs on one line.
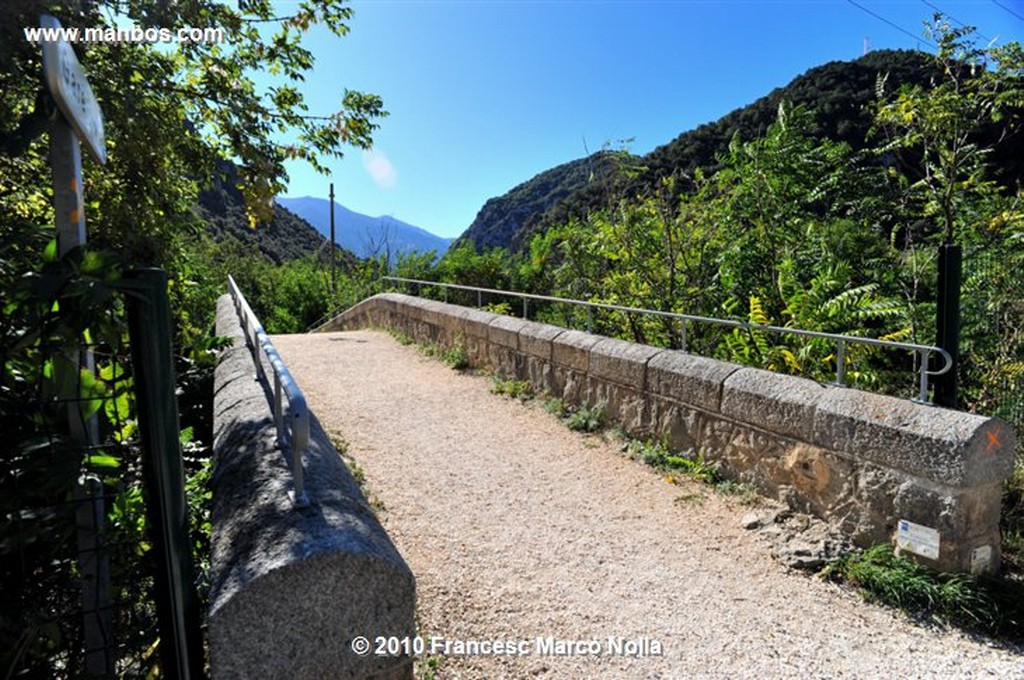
{"points": [[74, 184], [74, 215], [993, 439]]}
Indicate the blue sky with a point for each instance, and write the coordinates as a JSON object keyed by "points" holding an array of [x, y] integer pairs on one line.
{"points": [[484, 94]]}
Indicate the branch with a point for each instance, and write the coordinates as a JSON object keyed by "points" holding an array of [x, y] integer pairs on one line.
{"points": [[31, 126]]}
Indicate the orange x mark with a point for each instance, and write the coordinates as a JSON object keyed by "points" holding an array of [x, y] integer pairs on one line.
{"points": [[993, 439]]}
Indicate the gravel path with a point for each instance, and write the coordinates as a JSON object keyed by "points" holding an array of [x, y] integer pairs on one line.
{"points": [[517, 528]]}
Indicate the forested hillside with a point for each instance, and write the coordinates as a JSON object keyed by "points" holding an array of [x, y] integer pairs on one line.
{"points": [[285, 237], [841, 95], [507, 219]]}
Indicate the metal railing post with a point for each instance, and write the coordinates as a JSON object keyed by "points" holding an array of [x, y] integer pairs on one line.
{"points": [[278, 411], [300, 439], [525, 302], [682, 335], [840, 362], [922, 395]]}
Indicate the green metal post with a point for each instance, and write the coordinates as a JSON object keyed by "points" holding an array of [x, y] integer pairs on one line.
{"points": [[947, 321], [149, 328]]}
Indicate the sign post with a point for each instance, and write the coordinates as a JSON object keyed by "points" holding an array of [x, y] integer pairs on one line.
{"points": [[79, 118]]}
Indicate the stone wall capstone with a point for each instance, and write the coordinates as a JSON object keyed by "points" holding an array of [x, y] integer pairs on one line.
{"points": [[292, 587]]}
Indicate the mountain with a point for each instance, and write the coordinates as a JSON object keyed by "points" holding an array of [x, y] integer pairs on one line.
{"points": [[839, 93], [503, 220], [365, 236], [286, 237]]}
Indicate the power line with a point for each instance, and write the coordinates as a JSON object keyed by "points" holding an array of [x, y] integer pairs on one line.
{"points": [[999, 4], [956, 21], [896, 26]]}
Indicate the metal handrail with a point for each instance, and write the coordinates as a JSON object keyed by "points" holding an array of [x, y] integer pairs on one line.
{"points": [[841, 340], [298, 413]]}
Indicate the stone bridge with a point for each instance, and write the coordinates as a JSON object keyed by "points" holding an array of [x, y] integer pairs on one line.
{"points": [[501, 511]]}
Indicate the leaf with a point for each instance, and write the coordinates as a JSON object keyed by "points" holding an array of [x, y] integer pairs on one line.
{"points": [[103, 461]]}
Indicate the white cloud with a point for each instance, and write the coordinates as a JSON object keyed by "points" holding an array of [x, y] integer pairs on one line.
{"points": [[380, 168]]}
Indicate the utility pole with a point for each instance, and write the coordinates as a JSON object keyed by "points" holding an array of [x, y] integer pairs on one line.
{"points": [[333, 258]]}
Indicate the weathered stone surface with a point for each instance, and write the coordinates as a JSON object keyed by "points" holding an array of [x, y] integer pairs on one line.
{"points": [[571, 349], [570, 384], [621, 362], [824, 481], [965, 519], [504, 331], [475, 322], [367, 312], [506, 361], [622, 405], [535, 339], [778, 403], [681, 425], [290, 588], [689, 379], [435, 312], [949, 447], [541, 374]]}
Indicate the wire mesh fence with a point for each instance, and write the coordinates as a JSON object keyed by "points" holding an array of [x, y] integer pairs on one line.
{"points": [[992, 338], [77, 588]]}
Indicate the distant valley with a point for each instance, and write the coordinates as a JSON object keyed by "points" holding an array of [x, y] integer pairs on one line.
{"points": [[364, 235]]}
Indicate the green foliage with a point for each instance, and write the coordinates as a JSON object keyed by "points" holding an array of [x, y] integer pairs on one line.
{"points": [[556, 407], [502, 308], [657, 455], [1012, 521], [165, 110], [456, 355], [579, 418], [402, 338], [586, 418], [942, 124], [840, 93], [171, 120], [358, 473], [516, 389], [988, 605]]}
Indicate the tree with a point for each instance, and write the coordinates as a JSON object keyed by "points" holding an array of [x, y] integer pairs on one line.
{"points": [[171, 115], [979, 87]]}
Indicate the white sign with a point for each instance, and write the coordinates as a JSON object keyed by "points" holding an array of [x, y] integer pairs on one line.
{"points": [[917, 539], [981, 559], [70, 88]]}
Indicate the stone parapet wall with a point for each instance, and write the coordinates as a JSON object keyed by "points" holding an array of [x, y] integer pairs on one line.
{"points": [[292, 587], [880, 468]]}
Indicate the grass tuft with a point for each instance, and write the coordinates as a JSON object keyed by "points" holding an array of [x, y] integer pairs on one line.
{"points": [[587, 418], [516, 389], [990, 605]]}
